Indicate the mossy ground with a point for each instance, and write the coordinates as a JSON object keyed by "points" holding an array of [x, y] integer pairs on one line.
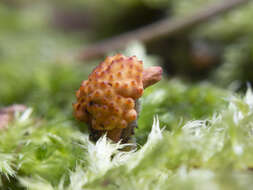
{"points": [[206, 136]]}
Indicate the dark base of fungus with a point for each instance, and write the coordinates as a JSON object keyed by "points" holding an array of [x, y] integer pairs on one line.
{"points": [[116, 135]]}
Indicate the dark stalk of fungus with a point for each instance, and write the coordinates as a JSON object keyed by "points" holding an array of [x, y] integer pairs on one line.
{"points": [[108, 100]]}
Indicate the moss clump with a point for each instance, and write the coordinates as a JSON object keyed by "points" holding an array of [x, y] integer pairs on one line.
{"points": [[176, 102]]}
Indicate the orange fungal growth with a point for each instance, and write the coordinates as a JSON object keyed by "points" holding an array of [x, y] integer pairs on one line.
{"points": [[106, 101], [117, 90]]}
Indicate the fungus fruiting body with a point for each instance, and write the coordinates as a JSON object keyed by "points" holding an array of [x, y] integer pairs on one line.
{"points": [[106, 101]]}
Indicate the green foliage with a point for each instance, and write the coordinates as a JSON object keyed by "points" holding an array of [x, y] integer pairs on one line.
{"points": [[50, 150], [36, 69], [49, 88], [206, 139], [175, 103], [237, 65], [232, 33], [214, 153], [225, 28], [39, 148]]}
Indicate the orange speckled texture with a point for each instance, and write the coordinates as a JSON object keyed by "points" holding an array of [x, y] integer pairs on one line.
{"points": [[106, 101]]}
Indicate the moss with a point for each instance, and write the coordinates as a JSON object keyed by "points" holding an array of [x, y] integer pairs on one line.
{"points": [[206, 141], [176, 102]]}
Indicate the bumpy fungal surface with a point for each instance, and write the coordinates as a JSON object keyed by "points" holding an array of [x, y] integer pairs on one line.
{"points": [[106, 101]]}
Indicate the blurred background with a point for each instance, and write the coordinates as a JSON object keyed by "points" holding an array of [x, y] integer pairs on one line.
{"points": [[44, 45], [47, 48]]}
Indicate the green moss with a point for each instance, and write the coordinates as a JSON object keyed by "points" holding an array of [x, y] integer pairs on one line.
{"points": [[207, 135], [176, 103]]}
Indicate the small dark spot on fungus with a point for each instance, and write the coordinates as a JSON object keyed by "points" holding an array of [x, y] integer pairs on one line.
{"points": [[91, 103], [86, 111]]}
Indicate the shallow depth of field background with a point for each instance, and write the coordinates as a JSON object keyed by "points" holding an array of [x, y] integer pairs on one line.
{"points": [[207, 70]]}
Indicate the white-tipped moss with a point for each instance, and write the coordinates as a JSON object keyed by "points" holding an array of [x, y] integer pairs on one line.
{"points": [[6, 165], [208, 153], [36, 184]]}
